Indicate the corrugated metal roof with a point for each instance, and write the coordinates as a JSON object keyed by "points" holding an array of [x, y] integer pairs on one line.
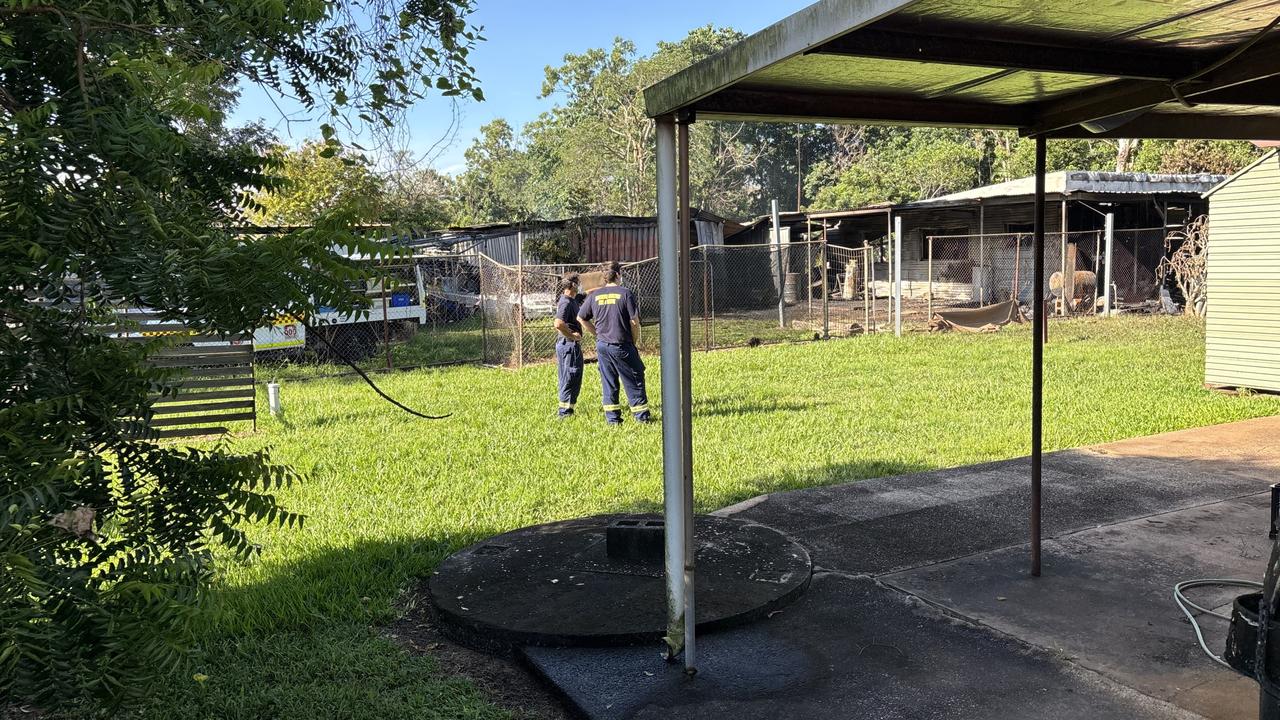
{"points": [[1082, 181], [1055, 67]]}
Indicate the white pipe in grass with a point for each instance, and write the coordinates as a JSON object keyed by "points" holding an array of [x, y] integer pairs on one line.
{"points": [[273, 398]]}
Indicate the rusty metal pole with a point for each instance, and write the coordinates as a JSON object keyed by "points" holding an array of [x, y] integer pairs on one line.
{"points": [[1037, 360], [686, 391]]}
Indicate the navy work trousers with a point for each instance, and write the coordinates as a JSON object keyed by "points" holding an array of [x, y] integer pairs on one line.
{"points": [[621, 366], [569, 368]]}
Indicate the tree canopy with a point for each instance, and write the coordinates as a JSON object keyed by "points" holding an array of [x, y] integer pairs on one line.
{"points": [[123, 188], [593, 152]]}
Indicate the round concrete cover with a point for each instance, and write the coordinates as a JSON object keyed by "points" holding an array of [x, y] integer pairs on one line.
{"points": [[554, 584]]}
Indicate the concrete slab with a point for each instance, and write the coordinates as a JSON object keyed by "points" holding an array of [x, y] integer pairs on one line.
{"points": [[848, 648], [1104, 601], [887, 524], [908, 621]]}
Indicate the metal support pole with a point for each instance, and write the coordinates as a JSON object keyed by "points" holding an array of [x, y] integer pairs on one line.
{"points": [[982, 266], [930, 271], [386, 322], [520, 300], [826, 288], [897, 276], [672, 422], [1037, 359], [777, 245], [1066, 281], [869, 282], [1108, 292], [808, 267], [686, 392]]}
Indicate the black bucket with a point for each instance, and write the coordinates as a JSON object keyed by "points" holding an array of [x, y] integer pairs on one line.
{"points": [[1242, 638]]}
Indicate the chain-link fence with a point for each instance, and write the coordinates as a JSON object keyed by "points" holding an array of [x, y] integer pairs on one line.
{"points": [[965, 271], [437, 309], [739, 295], [420, 311]]}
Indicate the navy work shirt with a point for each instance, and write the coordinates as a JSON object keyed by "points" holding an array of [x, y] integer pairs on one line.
{"points": [[567, 310], [611, 308]]}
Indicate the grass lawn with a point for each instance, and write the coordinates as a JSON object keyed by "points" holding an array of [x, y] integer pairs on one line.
{"points": [[388, 496]]}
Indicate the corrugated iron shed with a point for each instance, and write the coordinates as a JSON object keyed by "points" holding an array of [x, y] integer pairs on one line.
{"points": [[1079, 183]]}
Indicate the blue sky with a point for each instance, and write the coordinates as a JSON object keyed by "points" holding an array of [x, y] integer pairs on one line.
{"points": [[523, 37]]}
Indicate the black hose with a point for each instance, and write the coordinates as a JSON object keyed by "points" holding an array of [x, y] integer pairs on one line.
{"points": [[367, 379]]}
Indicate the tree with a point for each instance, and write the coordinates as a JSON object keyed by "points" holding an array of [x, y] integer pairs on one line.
{"points": [[123, 188], [418, 199], [593, 153], [312, 181], [903, 164], [1222, 157]]}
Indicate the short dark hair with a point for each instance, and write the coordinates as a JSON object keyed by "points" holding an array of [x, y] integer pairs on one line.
{"points": [[612, 270], [568, 281]]}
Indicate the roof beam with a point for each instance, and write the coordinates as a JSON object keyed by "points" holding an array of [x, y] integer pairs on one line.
{"points": [[792, 36], [957, 48], [745, 104], [1260, 62], [1185, 127]]}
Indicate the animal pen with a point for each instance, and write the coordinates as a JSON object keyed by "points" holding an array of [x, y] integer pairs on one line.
{"points": [[969, 271]]}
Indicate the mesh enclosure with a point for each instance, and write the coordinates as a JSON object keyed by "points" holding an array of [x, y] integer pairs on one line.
{"points": [[1136, 255], [734, 294], [967, 271], [420, 311]]}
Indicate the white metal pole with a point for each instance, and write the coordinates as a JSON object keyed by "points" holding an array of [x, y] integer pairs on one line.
{"points": [[672, 421], [782, 279], [897, 276], [982, 263], [1107, 293]]}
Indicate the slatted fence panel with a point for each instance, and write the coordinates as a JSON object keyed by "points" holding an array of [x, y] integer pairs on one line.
{"points": [[214, 384]]}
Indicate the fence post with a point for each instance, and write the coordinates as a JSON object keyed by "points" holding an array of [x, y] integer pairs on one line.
{"points": [[706, 300], [866, 287], [520, 300], [386, 322], [1107, 295], [982, 267], [808, 267], [826, 290], [930, 271], [782, 278], [897, 276]]}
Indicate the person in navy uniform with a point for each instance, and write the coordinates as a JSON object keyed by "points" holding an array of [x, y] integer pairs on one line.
{"points": [[612, 314], [568, 346]]}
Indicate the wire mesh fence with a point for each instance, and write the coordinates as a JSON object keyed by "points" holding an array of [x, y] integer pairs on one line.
{"points": [[419, 311], [966, 271], [738, 295], [436, 309]]}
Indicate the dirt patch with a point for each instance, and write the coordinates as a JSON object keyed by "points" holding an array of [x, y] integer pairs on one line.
{"points": [[503, 680]]}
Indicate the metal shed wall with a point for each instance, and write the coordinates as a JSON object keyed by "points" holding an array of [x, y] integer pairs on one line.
{"points": [[1242, 330]]}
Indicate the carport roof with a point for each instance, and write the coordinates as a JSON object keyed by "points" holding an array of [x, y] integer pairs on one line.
{"points": [[1058, 68]]}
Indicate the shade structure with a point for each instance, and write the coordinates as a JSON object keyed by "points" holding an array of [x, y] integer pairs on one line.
{"points": [[1197, 69]]}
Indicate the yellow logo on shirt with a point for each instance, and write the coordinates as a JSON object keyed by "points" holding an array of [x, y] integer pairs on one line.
{"points": [[608, 299]]}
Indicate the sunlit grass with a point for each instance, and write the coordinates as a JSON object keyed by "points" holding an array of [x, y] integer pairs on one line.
{"points": [[387, 495]]}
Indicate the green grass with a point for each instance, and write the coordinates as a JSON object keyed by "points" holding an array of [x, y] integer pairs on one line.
{"points": [[387, 496]]}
